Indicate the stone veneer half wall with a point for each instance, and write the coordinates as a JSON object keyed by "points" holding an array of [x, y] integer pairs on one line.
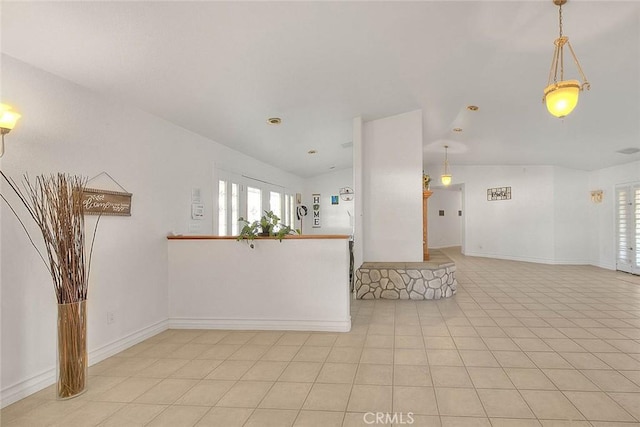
{"points": [[411, 280]]}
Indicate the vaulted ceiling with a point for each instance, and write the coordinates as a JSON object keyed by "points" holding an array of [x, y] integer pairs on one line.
{"points": [[221, 69]]}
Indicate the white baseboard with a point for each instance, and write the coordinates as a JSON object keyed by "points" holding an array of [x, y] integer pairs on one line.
{"points": [[115, 347], [571, 262], [510, 257], [261, 324], [605, 265], [445, 246], [22, 389], [530, 259]]}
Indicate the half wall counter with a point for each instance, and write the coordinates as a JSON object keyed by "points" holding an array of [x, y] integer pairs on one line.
{"points": [[301, 283]]}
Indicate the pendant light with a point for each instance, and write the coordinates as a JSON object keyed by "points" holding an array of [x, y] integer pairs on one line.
{"points": [[560, 95], [445, 178]]}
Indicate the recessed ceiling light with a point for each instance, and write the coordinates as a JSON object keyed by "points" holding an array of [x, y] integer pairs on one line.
{"points": [[332, 167], [457, 129], [274, 120], [472, 107], [630, 150], [312, 152]]}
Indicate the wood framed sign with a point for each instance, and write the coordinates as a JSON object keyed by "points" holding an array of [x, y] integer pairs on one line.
{"points": [[500, 193], [105, 202]]}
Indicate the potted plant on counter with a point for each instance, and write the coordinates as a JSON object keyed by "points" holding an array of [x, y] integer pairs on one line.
{"points": [[268, 226]]}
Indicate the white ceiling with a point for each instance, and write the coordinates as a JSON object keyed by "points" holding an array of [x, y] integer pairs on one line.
{"points": [[221, 69]]}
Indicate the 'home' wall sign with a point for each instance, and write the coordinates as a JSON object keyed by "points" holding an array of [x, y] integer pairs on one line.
{"points": [[316, 211]]}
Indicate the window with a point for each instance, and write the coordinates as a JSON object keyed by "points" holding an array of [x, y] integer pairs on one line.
{"points": [[229, 204], [628, 228], [241, 196], [254, 204], [287, 208], [289, 217], [222, 208], [275, 203], [235, 208]]}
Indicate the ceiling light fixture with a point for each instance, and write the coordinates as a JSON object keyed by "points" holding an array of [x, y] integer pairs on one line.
{"points": [[274, 121], [312, 152], [445, 178], [8, 121], [457, 129], [560, 95], [472, 107], [630, 150]]}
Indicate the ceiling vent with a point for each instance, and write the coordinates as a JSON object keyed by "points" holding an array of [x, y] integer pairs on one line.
{"points": [[630, 150]]}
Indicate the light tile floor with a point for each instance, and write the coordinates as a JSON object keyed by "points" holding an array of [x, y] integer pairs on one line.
{"points": [[519, 345]]}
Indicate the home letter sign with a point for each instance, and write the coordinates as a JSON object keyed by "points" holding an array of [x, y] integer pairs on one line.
{"points": [[316, 210]]}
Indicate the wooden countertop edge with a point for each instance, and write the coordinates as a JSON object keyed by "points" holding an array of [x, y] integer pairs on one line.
{"points": [[290, 237]]}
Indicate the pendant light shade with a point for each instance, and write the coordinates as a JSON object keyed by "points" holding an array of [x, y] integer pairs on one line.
{"points": [[446, 179], [561, 96]]}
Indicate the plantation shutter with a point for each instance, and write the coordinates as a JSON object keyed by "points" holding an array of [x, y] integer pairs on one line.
{"points": [[628, 228]]}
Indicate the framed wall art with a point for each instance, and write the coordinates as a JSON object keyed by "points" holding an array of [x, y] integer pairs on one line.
{"points": [[498, 193]]}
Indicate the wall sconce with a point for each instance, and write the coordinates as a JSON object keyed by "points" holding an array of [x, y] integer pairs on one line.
{"points": [[8, 121], [596, 196]]}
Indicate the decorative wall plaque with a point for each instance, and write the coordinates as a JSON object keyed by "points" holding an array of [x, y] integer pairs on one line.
{"points": [[499, 193], [346, 194], [105, 202]]}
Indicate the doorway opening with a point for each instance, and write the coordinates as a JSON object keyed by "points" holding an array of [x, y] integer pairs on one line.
{"points": [[446, 217]]}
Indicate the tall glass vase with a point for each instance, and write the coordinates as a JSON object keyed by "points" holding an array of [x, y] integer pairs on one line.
{"points": [[73, 363]]}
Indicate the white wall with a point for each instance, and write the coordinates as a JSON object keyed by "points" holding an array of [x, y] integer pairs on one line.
{"points": [[311, 293], [444, 231], [520, 228], [334, 219], [602, 225], [546, 220], [535, 225], [70, 129], [392, 188], [571, 216]]}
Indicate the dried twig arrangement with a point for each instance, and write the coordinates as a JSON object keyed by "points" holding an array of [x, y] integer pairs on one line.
{"points": [[55, 204]]}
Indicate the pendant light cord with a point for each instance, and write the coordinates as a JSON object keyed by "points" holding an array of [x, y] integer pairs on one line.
{"points": [[561, 45], [560, 19], [446, 160]]}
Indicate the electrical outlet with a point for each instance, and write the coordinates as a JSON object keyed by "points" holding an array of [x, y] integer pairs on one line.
{"points": [[111, 317]]}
